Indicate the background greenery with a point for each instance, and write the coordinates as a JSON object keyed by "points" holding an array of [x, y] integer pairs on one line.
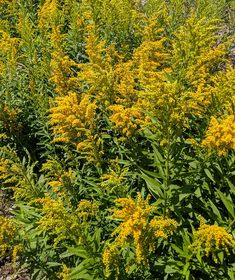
{"points": [[109, 100]]}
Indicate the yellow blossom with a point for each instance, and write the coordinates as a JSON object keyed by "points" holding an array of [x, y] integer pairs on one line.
{"points": [[63, 73], [110, 259], [63, 222], [97, 75], [163, 227], [7, 234], [220, 135], [212, 238], [137, 228], [87, 209], [64, 274], [73, 121], [16, 250], [115, 177], [8, 120], [47, 13], [126, 120]]}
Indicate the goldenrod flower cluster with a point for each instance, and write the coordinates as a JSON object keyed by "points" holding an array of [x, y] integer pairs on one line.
{"points": [[138, 229], [16, 249], [4, 168], [7, 234], [115, 178], [110, 259], [162, 227], [86, 209], [63, 181], [224, 93], [8, 120], [64, 274], [73, 122], [97, 75], [16, 175], [56, 219], [47, 14], [220, 135], [127, 120], [73, 117], [62, 222], [59, 178], [211, 239], [8, 49], [63, 73]]}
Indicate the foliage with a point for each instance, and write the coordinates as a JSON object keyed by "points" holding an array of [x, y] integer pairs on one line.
{"points": [[117, 130]]}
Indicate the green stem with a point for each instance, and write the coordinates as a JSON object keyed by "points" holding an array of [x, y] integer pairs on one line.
{"points": [[167, 173]]}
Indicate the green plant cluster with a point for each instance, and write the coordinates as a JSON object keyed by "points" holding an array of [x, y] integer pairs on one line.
{"points": [[117, 139]]}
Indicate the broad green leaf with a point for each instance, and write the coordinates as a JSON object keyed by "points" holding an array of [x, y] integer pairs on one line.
{"points": [[227, 203], [178, 250], [53, 264], [215, 209], [80, 252], [221, 256], [232, 187], [153, 185], [186, 269], [66, 255], [78, 272], [209, 175]]}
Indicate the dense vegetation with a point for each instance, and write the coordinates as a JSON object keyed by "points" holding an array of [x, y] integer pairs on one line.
{"points": [[117, 130]]}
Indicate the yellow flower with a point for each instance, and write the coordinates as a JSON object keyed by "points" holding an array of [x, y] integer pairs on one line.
{"points": [[115, 178], [60, 182], [7, 234], [220, 135], [110, 259], [16, 250], [163, 227], [4, 168], [63, 222], [47, 13], [212, 238], [86, 209], [224, 92], [73, 121], [126, 120], [8, 44], [137, 228], [64, 274], [97, 75], [15, 175], [8, 120], [63, 73], [125, 85]]}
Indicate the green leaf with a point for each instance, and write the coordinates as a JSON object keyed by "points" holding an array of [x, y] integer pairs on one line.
{"points": [[199, 257], [215, 209], [231, 273], [66, 255], [169, 269], [80, 271], [209, 175], [78, 251], [153, 185], [186, 270], [221, 257], [232, 187], [227, 203], [53, 264], [178, 250]]}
